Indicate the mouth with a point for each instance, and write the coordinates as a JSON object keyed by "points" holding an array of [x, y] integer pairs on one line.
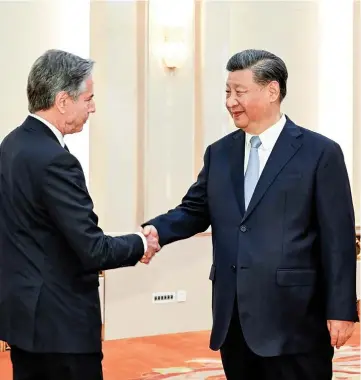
{"points": [[236, 115]]}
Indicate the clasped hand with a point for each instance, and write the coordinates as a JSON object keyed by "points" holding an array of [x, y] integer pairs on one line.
{"points": [[151, 234]]}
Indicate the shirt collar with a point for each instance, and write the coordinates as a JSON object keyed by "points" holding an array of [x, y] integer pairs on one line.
{"points": [[270, 135], [56, 131]]}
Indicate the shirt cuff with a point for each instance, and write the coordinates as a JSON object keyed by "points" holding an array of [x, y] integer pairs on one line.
{"points": [[144, 241]]}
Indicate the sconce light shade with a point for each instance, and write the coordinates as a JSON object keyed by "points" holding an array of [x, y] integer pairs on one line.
{"points": [[174, 54]]}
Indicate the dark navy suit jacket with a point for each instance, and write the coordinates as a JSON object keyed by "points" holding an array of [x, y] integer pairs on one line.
{"points": [[290, 258], [51, 248]]}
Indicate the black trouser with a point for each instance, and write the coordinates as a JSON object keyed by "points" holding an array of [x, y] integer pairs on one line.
{"points": [[240, 363], [39, 366]]}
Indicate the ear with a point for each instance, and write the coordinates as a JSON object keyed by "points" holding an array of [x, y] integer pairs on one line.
{"points": [[274, 91], [61, 99]]}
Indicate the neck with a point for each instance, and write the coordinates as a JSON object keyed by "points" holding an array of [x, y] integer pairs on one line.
{"points": [[51, 118], [260, 127]]}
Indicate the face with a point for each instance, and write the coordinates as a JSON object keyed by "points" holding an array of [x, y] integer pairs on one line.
{"points": [[250, 104], [75, 113]]}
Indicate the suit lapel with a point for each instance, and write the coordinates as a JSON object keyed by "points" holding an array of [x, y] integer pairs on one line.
{"points": [[285, 148], [236, 157]]}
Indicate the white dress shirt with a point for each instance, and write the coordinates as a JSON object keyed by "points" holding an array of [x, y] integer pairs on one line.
{"points": [[60, 137], [268, 140]]}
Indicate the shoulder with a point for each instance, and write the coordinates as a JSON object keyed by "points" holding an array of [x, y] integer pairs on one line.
{"points": [[318, 146], [313, 137], [226, 140], [26, 150], [310, 137], [30, 145]]}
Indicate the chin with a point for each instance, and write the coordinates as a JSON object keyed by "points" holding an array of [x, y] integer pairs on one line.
{"points": [[241, 122], [77, 129], [241, 125]]}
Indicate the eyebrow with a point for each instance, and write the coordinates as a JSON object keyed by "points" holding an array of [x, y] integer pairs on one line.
{"points": [[237, 86]]}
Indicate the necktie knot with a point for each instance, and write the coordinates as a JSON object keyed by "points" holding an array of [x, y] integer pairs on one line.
{"points": [[255, 142]]}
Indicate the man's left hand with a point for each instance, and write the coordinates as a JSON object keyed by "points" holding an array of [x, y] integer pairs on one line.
{"points": [[340, 332]]}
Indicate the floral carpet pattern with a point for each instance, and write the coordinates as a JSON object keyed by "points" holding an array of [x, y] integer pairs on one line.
{"points": [[346, 367]]}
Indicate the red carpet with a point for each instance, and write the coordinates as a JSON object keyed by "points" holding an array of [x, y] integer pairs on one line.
{"points": [[185, 357]]}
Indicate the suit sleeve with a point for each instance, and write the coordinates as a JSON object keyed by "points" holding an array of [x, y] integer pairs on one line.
{"points": [[336, 222], [69, 205], [191, 216]]}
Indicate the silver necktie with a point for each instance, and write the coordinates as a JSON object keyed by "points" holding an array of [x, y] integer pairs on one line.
{"points": [[252, 173]]}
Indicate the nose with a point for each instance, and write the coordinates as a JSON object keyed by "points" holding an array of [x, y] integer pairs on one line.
{"points": [[231, 102]]}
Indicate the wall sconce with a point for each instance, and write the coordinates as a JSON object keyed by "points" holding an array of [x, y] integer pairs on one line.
{"points": [[173, 50], [175, 18]]}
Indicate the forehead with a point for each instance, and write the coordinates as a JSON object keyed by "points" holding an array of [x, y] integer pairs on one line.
{"points": [[240, 78]]}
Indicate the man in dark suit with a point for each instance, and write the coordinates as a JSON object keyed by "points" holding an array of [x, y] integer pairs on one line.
{"points": [[51, 248], [278, 199]]}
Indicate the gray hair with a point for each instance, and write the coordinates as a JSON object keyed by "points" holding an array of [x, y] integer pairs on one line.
{"points": [[53, 72], [266, 67]]}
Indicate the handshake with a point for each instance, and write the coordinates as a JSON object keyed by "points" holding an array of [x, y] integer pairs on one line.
{"points": [[152, 237]]}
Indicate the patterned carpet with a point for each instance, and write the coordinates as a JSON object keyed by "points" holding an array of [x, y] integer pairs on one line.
{"points": [[346, 367], [185, 356]]}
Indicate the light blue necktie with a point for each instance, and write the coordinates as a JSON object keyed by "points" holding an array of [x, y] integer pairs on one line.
{"points": [[252, 172]]}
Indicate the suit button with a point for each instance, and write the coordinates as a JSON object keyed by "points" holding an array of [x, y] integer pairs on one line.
{"points": [[243, 228], [233, 267]]}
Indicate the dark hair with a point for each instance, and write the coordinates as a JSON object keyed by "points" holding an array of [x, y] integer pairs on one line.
{"points": [[266, 67]]}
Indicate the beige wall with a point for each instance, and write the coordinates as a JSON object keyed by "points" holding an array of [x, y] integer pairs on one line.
{"points": [[148, 115], [113, 132], [17, 57], [147, 139]]}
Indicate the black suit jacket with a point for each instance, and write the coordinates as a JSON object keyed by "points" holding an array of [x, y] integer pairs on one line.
{"points": [[290, 258], [51, 248]]}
